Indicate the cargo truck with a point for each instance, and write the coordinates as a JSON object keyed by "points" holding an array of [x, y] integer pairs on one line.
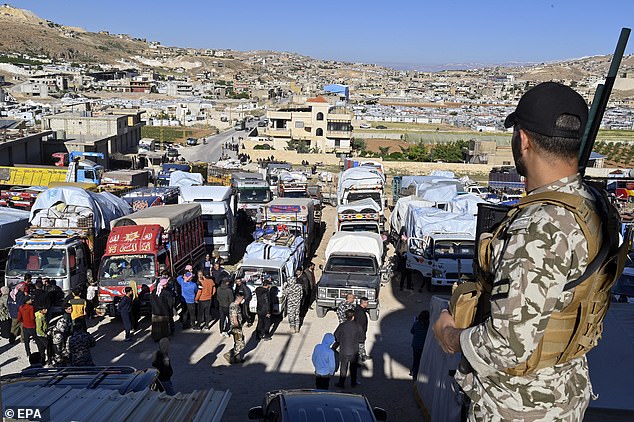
{"points": [[66, 237], [354, 264], [297, 216], [359, 183], [142, 243], [360, 216], [217, 207], [142, 198], [252, 192]]}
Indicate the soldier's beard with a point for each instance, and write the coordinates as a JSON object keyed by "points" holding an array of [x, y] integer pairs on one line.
{"points": [[517, 153]]}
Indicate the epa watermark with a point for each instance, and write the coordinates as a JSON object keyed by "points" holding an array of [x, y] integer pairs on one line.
{"points": [[30, 413]]}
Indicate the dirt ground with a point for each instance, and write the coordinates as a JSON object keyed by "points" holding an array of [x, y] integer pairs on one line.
{"points": [[284, 362]]}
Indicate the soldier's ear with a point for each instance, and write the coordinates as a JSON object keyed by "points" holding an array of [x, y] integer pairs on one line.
{"points": [[525, 141]]}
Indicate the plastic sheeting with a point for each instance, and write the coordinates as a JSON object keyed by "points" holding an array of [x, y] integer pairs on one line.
{"points": [[436, 389], [13, 223], [360, 205], [292, 177], [401, 210], [360, 176], [356, 242], [422, 221], [465, 204], [293, 256], [444, 191], [181, 178], [78, 203]]}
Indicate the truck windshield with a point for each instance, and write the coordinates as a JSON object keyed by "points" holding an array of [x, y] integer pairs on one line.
{"points": [[215, 225], [295, 194], [120, 268], [369, 227], [357, 196], [351, 264], [255, 276], [258, 195], [453, 249], [50, 262]]}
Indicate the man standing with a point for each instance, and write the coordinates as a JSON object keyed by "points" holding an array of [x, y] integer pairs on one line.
{"points": [[324, 362], [309, 273], [348, 335], [343, 306], [225, 298], [235, 316], [265, 309], [79, 345], [218, 273], [14, 301], [533, 256], [294, 301], [189, 288], [206, 291], [125, 309], [79, 306], [240, 286], [361, 317], [26, 316]]}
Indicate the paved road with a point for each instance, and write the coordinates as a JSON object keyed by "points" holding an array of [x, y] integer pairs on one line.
{"points": [[212, 150], [284, 362]]}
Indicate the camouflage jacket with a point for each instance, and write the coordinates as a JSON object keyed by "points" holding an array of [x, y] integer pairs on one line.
{"points": [[235, 312], [542, 249]]}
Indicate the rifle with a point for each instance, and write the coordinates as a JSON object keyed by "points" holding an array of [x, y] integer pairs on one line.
{"points": [[600, 102]]}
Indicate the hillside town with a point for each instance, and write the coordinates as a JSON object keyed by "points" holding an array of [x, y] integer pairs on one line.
{"points": [[214, 234]]}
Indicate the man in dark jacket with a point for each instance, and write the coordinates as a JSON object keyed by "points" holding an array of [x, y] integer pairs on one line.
{"points": [[218, 274], [225, 297], [79, 345], [361, 317], [40, 296], [125, 309], [14, 301], [348, 335], [240, 286], [264, 309], [162, 303], [309, 273]]}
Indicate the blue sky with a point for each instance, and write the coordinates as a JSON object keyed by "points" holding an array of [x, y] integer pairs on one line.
{"points": [[388, 31]]}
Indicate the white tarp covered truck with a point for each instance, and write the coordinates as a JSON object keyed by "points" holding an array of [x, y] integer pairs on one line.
{"points": [[354, 264], [67, 235], [217, 206], [296, 215], [359, 183], [277, 256], [360, 216], [440, 244]]}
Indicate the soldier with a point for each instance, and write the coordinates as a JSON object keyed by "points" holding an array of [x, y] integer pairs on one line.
{"points": [[537, 251], [235, 318], [294, 301], [343, 306]]}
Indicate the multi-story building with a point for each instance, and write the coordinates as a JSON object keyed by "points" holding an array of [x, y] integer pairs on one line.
{"points": [[320, 125]]}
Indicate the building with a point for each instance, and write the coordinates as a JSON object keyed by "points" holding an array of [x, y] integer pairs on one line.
{"points": [[319, 125], [120, 131], [19, 145]]}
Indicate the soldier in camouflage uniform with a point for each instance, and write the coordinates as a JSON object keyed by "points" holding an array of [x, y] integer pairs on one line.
{"points": [[235, 319], [343, 306], [60, 329], [541, 249], [294, 301]]}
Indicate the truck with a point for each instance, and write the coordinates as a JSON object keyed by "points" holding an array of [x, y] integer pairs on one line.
{"points": [[296, 216], [146, 197], [66, 236], [141, 244], [252, 192], [275, 256], [292, 184], [272, 172], [506, 178], [217, 207], [354, 264], [440, 245], [240, 125], [359, 183], [163, 177], [13, 224], [360, 216]]}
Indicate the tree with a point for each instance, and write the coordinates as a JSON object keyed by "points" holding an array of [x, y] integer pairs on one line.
{"points": [[383, 151]]}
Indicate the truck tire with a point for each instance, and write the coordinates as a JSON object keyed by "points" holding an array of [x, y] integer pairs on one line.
{"points": [[374, 314], [320, 311]]}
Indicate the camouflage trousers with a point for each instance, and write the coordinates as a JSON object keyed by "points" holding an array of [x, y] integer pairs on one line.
{"points": [[238, 342], [293, 314]]}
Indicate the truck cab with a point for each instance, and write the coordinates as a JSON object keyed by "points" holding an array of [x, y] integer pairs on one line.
{"points": [[442, 258], [255, 271], [354, 264], [252, 192], [360, 216]]}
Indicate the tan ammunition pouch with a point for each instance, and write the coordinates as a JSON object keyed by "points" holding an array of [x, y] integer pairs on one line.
{"points": [[573, 331]]}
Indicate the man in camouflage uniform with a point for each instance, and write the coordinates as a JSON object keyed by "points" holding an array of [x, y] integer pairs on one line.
{"points": [[540, 250], [294, 301], [235, 319], [343, 306]]}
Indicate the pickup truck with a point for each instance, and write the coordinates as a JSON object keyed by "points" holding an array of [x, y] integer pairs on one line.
{"points": [[354, 264]]}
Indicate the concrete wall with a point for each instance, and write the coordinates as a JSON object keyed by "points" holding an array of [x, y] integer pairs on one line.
{"points": [[26, 150]]}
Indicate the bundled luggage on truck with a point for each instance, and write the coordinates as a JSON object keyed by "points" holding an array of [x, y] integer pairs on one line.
{"points": [[359, 183], [273, 256], [296, 216], [66, 237], [354, 264], [143, 243], [142, 198], [360, 216], [217, 207]]}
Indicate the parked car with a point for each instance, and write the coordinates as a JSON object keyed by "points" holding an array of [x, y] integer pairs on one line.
{"points": [[173, 153], [365, 126], [191, 142], [381, 127], [316, 405]]}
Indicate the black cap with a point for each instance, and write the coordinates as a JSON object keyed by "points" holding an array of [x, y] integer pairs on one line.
{"points": [[540, 107]]}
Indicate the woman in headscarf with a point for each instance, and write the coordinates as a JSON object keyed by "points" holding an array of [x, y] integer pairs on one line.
{"points": [[162, 303], [164, 366], [14, 301], [5, 318]]}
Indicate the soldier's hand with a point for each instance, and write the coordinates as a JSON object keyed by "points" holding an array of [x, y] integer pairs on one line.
{"points": [[446, 333]]}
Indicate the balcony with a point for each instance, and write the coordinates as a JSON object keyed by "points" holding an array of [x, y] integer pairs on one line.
{"points": [[277, 133]]}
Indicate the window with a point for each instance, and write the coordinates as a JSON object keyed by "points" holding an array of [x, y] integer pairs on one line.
{"points": [[319, 132], [337, 143], [320, 116]]}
